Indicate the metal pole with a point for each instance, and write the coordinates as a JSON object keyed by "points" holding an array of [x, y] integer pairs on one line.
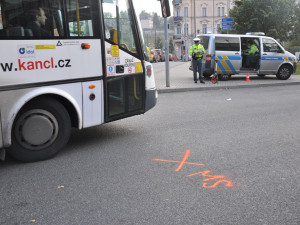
{"points": [[195, 18], [185, 35], [213, 28], [167, 53]]}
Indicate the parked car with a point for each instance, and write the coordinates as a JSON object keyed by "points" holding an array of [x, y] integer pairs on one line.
{"points": [[171, 57], [160, 54]]}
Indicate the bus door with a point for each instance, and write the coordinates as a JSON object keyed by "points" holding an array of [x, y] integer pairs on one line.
{"points": [[125, 80]]}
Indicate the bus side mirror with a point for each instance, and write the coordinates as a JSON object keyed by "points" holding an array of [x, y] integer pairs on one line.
{"points": [[165, 8]]}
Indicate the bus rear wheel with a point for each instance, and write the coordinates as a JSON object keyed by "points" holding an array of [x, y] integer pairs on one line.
{"points": [[40, 130]]}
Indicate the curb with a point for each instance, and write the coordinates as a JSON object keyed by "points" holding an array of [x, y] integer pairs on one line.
{"points": [[171, 90]]}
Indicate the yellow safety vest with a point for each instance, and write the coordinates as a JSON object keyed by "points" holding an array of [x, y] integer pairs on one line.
{"points": [[196, 48]]}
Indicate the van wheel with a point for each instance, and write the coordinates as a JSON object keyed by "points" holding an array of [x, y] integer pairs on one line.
{"points": [[284, 72], [206, 75], [224, 77], [40, 130]]}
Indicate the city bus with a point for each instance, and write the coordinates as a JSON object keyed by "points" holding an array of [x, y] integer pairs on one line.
{"points": [[65, 64]]}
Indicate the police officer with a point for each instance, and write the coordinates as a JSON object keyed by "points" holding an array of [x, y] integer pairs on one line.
{"points": [[253, 51], [196, 51]]}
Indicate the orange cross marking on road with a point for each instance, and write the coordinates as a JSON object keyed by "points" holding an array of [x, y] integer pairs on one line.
{"points": [[219, 178], [183, 161]]}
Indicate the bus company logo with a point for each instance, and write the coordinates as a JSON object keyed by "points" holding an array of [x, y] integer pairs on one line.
{"points": [[26, 52], [22, 51]]}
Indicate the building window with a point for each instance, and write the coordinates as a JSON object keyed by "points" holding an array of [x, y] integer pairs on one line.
{"points": [[178, 12], [204, 28], [204, 11], [221, 11], [186, 29], [186, 12], [178, 28]]}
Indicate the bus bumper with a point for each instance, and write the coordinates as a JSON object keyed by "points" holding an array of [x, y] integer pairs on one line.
{"points": [[151, 99]]}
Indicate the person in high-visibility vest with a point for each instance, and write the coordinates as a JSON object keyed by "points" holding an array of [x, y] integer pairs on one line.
{"points": [[196, 51], [252, 58]]}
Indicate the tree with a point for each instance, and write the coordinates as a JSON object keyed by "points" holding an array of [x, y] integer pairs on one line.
{"points": [[171, 46], [158, 43], [273, 17], [144, 15]]}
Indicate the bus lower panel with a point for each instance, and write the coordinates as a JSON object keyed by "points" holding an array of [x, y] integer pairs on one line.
{"points": [[151, 99]]}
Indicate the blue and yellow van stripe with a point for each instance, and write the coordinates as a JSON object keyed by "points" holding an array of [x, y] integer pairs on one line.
{"points": [[274, 58], [224, 65]]}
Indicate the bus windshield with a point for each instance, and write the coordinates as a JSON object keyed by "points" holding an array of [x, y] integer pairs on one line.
{"points": [[146, 55], [118, 22]]}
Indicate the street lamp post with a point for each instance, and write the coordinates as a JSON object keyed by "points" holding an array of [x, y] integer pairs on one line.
{"points": [[213, 27]]}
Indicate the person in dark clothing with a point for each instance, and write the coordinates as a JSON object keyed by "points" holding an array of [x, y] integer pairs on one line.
{"points": [[37, 20]]}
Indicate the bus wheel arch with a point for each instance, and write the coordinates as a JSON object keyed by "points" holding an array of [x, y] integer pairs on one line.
{"points": [[284, 72], [41, 128]]}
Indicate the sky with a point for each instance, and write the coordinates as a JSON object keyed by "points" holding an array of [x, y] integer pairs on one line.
{"points": [[150, 6]]}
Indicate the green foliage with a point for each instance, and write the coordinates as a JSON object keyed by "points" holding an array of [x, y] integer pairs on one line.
{"points": [[276, 18], [144, 15], [158, 22], [171, 46], [158, 43]]}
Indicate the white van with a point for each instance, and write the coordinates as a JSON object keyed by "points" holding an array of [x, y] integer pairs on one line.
{"points": [[230, 53]]}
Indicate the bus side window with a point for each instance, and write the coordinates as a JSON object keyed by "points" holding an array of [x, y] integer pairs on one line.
{"points": [[80, 18], [35, 19]]}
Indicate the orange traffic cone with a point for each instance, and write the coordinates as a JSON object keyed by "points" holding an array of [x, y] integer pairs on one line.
{"points": [[247, 78]]}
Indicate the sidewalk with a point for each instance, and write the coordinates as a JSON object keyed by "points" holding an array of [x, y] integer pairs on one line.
{"points": [[181, 79]]}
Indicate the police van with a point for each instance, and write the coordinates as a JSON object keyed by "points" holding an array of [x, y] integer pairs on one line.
{"points": [[231, 55]]}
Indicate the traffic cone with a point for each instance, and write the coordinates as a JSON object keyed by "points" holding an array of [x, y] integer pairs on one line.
{"points": [[247, 78]]}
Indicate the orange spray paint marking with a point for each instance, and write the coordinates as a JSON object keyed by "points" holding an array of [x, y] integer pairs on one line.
{"points": [[220, 178], [164, 160], [206, 174], [185, 157], [228, 184]]}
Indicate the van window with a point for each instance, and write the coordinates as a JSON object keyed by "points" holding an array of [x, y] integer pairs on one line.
{"points": [[271, 46], [227, 44], [204, 40]]}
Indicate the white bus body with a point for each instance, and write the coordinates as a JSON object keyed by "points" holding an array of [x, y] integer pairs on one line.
{"points": [[76, 77]]}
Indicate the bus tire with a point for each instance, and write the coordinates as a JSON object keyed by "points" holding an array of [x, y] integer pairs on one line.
{"points": [[40, 130], [224, 77], [284, 72]]}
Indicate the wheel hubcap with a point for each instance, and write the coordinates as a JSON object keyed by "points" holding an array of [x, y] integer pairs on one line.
{"points": [[36, 129], [285, 72]]}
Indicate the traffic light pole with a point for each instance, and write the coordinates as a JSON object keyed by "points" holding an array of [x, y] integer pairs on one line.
{"points": [[167, 52]]}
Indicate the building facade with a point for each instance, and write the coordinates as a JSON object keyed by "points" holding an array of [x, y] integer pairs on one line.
{"points": [[193, 17]]}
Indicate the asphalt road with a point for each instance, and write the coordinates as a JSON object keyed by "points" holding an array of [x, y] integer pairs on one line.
{"points": [[210, 157]]}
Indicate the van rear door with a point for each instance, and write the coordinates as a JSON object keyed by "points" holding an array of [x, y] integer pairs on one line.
{"points": [[228, 54]]}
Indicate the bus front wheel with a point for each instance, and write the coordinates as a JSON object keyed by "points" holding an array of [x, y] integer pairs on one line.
{"points": [[40, 130]]}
